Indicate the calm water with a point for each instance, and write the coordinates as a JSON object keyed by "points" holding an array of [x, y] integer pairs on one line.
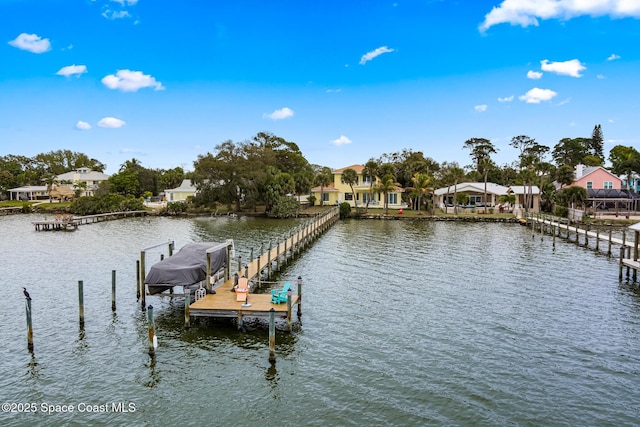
{"points": [[404, 323]]}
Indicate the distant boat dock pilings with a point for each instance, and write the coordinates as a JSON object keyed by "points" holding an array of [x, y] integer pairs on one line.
{"points": [[561, 227], [70, 222]]}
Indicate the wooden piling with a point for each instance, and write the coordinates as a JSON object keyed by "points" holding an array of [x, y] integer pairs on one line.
{"points": [[621, 265], [289, 305], [29, 326], [554, 236], [269, 261], [272, 336], [609, 249], [137, 280], [187, 303], [299, 296], [81, 302], [598, 240], [152, 332], [143, 288], [113, 290]]}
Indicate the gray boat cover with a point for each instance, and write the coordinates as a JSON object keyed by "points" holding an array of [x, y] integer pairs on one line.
{"points": [[188, 265]]}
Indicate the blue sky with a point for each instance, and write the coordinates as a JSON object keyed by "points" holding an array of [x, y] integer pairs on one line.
{"points": [[346, 80]]}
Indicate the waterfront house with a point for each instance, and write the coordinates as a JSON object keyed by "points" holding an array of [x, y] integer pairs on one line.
{"points": [[596, 178], [444, 197], [606, 192], [28, 192], [85, 179], [338, 192], [181, 193]]}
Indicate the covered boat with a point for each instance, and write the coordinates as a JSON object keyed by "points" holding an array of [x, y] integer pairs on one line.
{"points": [[188, 267]]}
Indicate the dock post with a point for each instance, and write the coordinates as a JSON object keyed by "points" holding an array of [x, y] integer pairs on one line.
{"points": [[152, 332], [609, 250], [113, 290], [171, 246], [269, 261], [598, 240], [227, 265], [285, 249], [554, 237], [208, 276], [628, 257], [187, 303], [621, 265], [299, 296], [239, 262], [81, 302], [137, 280], [259, 271], [161, 257], [143, 289], [278, 254], [272, 336], [246, 271], [29, 327], [240, 321], [251, 257], [586, 234], [624, 237], [289, 301]]}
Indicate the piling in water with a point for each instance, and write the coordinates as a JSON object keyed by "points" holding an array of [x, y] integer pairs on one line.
{"points": [[187, 303], [113, 290], [29, 327], [152, 332], [81, 302], [272, 336]]}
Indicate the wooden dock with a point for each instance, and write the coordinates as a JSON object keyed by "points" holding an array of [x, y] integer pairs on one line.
{"points": [[223, 303], [555, 227], [8, 210], [70, 222]]}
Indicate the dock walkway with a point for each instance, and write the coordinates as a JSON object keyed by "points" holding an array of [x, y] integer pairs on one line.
{"points": [[70, 222], [553, 225], [223, 303]]}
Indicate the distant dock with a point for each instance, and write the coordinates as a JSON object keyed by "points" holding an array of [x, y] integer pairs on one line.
{"points": [[10, 210], [70, 222]]}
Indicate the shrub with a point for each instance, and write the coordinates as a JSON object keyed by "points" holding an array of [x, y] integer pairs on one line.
{"points": [[345, 210], [561, 211]]}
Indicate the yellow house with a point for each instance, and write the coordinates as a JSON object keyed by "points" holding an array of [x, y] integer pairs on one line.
{"points": [[338, 192]]}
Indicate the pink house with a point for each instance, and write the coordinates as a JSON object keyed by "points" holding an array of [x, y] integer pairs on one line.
{"points": [[596, 178]]}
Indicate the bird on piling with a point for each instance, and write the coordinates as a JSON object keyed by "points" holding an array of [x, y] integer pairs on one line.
{"points": [[26, 294]]}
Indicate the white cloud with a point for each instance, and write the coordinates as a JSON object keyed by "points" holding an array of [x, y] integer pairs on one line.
{"points": [[537, 95], [374, 53], [506, 99], [566, 101], [125, 2], [334, 90], [610, 120], [567, 68], [343, 140], [527, 12], [83, 125], [131, 81], [534, 75], [71, 70], [600, 77], [31, 42], [115, 14], [613, 57], [481, 108], [615, 141], [111, 122], [280, 114]]}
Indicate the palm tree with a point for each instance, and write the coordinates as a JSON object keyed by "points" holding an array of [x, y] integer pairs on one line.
{"points": [[323, 179], [370, 172], [387, 185], [350, 177], [49, 180], [421, 185], [481, 150]]}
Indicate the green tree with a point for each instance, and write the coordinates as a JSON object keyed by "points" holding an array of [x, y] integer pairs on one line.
{"points": [[370, 173], [625, 161], [596, 144], [387, 185], [350, 177], [570, 151], [421, 184], [565, 175], [323, 178], [481, 151]]}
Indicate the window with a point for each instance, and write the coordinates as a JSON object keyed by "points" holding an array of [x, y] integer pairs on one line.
{"points": [[392, 198], [348, 197], [366, 180], [608, 185], [474, 200], [325, 197], [590, 185]]}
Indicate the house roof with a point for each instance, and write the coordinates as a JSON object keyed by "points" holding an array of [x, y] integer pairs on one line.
{"points": [[357, 168], [524, 189], [185, 186], [28, 188], [476, 187], [589, 170], [90, 175], [327, 189]]}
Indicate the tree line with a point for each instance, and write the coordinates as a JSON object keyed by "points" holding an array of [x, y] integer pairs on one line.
{"points": [[269, 171]]}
